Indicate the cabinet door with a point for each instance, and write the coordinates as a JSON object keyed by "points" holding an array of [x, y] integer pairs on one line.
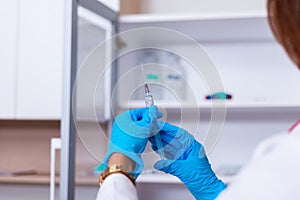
{"points": [[93, 88], [8, 52], [39, 75]]}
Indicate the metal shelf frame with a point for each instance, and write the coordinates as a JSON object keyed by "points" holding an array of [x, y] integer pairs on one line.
{"points": [[68, 130]]}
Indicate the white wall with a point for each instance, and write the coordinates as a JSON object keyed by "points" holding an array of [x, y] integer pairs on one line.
{"points": [[201, 6]]}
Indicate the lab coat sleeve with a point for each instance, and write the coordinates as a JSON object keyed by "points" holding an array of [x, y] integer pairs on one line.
{"points": [[117, 186], [273, 173]]}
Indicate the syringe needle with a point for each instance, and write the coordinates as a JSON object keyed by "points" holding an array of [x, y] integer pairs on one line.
{"points": [[147, 88]]}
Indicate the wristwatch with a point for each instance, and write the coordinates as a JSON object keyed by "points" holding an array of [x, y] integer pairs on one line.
{"points": [[113, 170]]}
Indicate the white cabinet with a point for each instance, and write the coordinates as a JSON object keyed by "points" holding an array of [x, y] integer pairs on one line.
{"points": [[93, 87], [40, 51], [31, 54], [252, 66], [8, 53], [32, 63]]}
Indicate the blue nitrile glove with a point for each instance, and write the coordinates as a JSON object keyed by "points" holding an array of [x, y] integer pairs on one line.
{"points": [[130, 134], [187, 161]]}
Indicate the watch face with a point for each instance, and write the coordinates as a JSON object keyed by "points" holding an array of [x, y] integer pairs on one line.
{"points": [[115, 169]]}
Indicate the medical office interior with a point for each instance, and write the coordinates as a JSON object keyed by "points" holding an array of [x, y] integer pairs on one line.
{"points": [[261, 87]]}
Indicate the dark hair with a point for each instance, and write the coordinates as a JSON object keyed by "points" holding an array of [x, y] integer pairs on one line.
{"points": [[284, 19]]}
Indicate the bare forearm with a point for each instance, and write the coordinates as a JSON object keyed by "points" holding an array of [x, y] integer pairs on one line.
{"points": [[121, 159]]}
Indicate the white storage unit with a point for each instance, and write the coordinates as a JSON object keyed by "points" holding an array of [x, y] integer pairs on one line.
{"points": [[32, 50], [252, 66], [40, 51], [92, 31], [8, 52]]}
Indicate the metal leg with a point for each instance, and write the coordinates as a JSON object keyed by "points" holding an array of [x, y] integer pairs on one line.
{"points": [[68, 133], [55, 145]]}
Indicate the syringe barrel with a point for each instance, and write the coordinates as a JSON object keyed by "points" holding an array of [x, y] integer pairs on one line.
{"points": [[149, 100]]}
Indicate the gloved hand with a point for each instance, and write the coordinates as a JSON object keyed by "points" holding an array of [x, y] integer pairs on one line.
{"points": [[130, 134], [187, 160]]}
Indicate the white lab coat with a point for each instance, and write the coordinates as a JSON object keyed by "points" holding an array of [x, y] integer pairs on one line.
{"points": [[116, 187], [273, 173]]}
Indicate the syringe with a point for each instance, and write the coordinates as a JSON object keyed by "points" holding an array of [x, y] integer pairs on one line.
{"points": [[149, 101], [148, 97]]}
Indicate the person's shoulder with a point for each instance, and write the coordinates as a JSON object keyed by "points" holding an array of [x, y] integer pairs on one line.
{"points": [[284, 140]]}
